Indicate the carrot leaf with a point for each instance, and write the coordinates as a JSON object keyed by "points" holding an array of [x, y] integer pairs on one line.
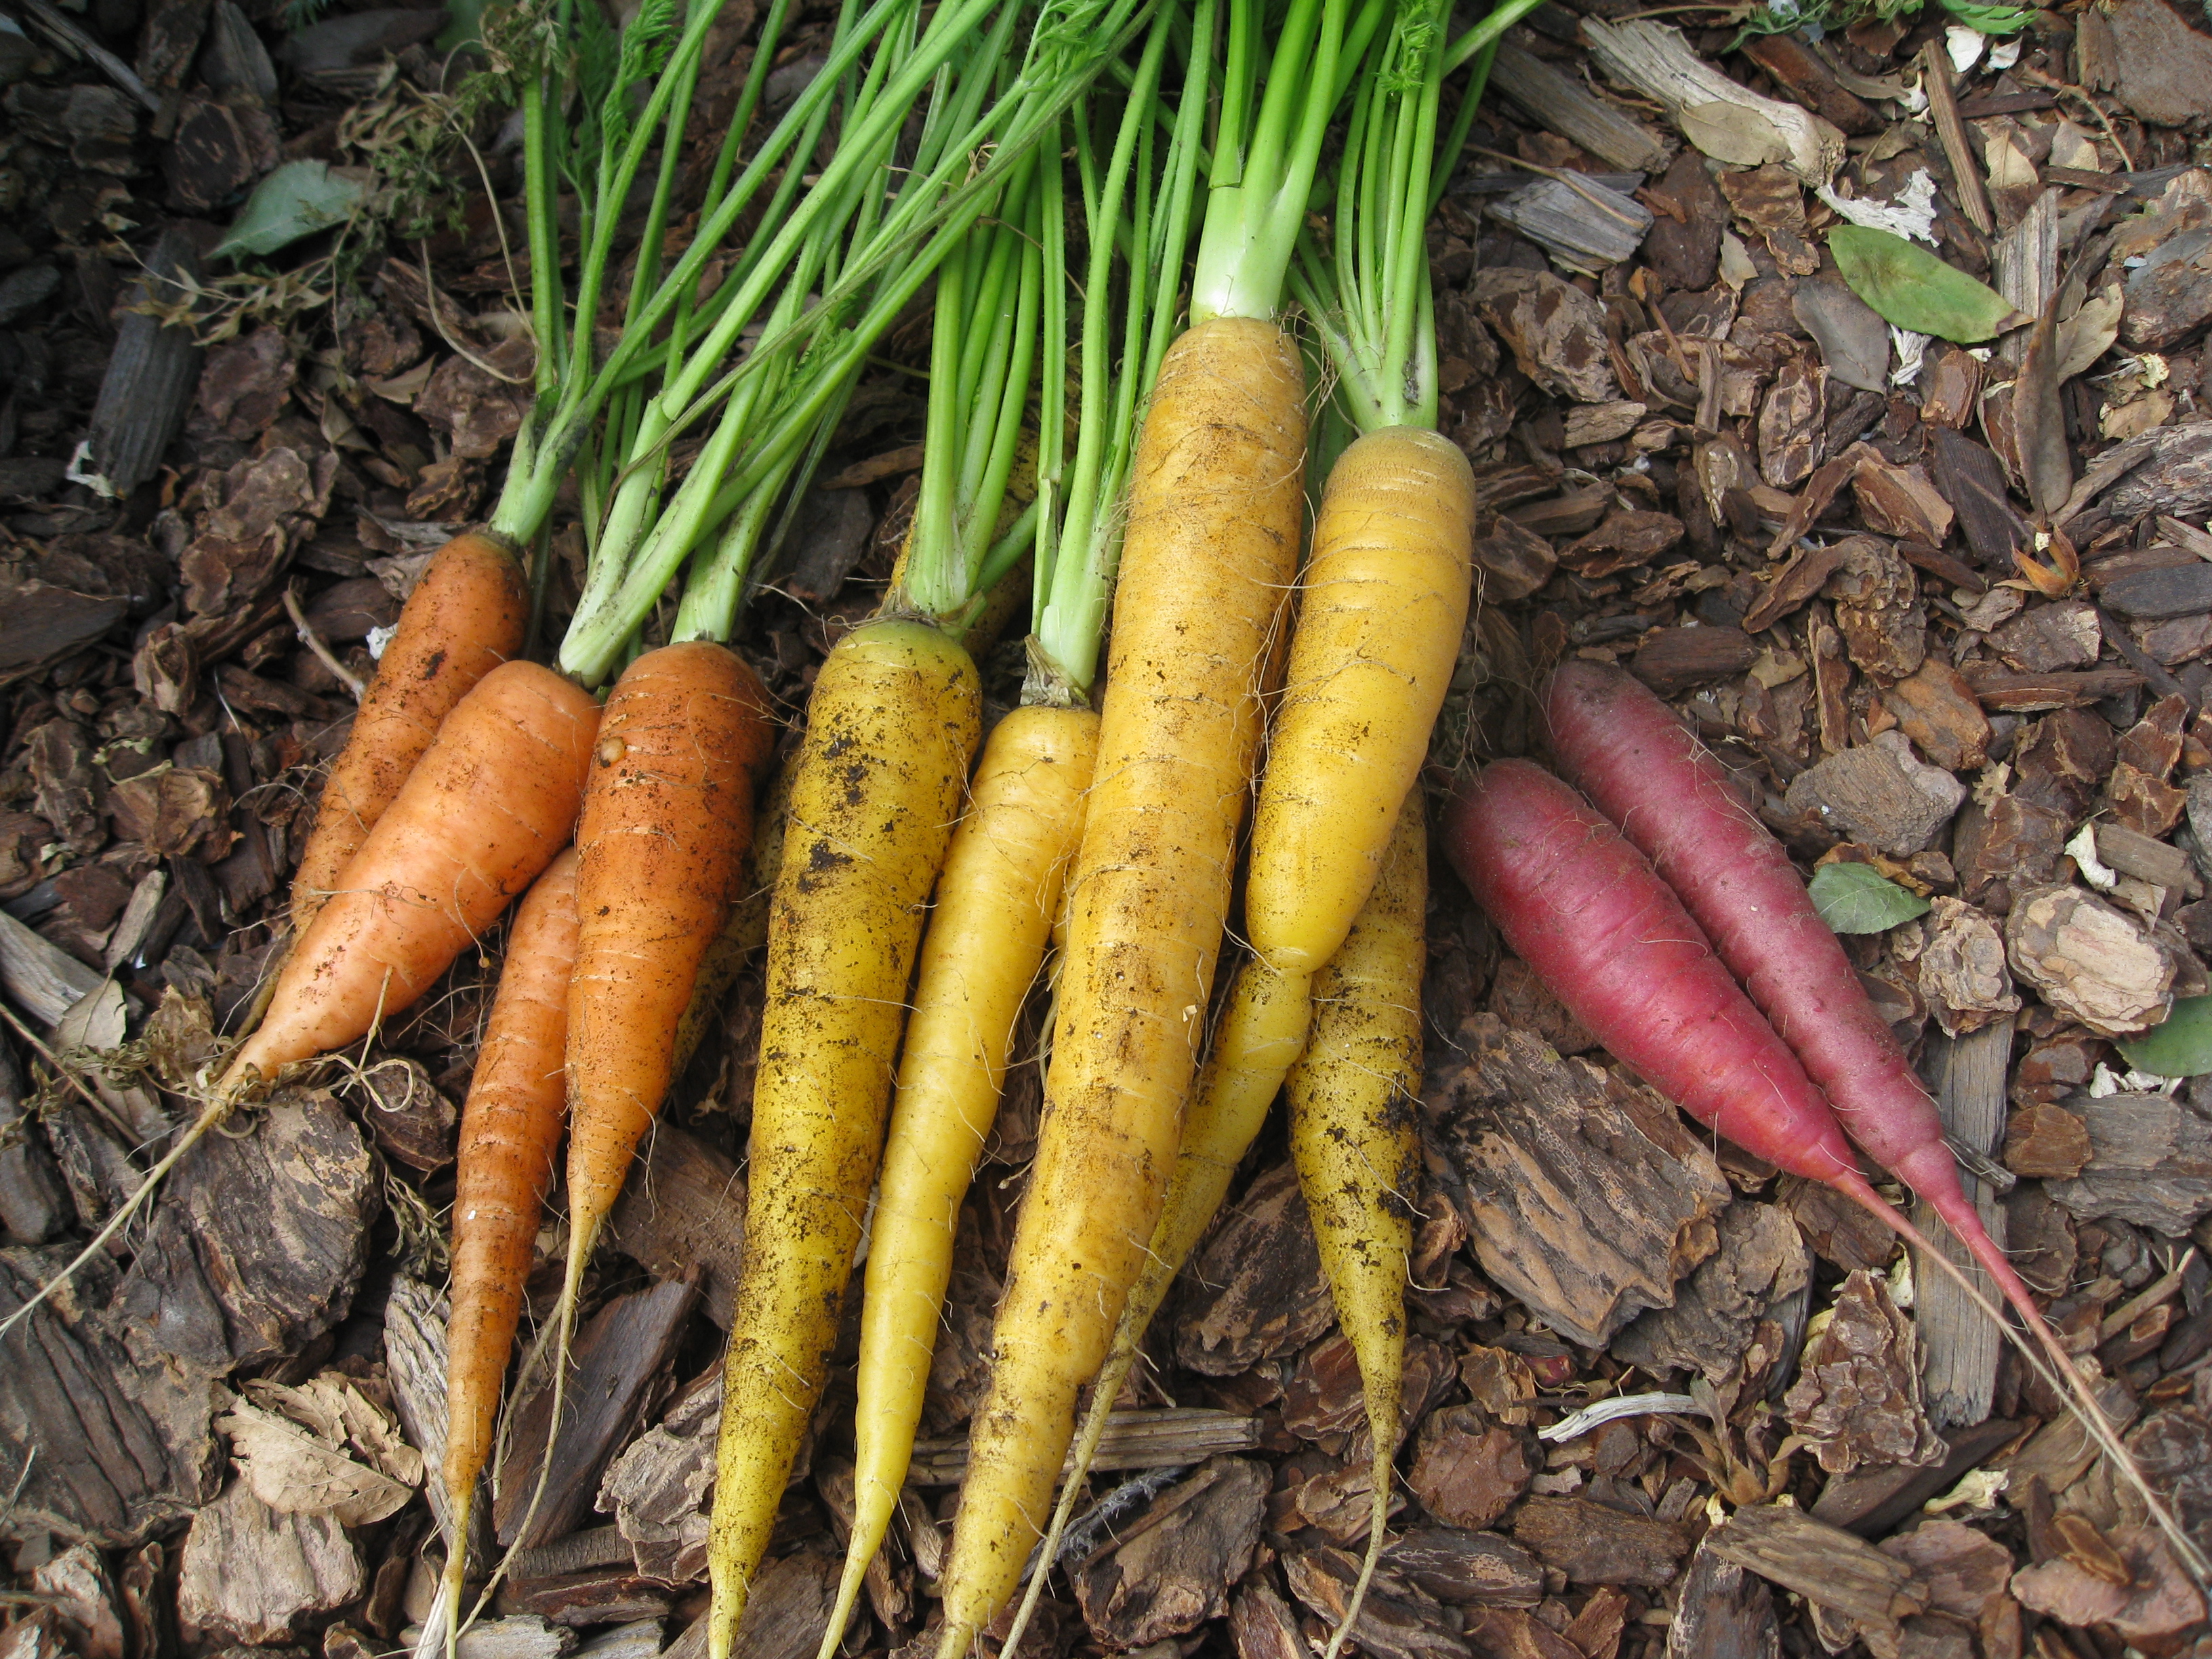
{"points": [[1854, 898]]}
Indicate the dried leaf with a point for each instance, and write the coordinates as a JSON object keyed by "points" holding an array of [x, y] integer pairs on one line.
{"points": [[2179, 1046], [1852, 898], [2089, 333], [1912, 289]]}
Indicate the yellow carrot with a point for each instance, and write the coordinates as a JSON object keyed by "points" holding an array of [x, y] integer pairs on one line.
{"points": [[1353, 1096], [893, 721]]}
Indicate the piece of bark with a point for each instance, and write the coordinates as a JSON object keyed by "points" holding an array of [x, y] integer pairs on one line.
{"points": [[1585, 227], [122, 1449], [40, 977], [788, 1609], [1972, 481], [657, 1488], [1593, 1544], [1936, 708], [1463, 1568], [43, 624], [2173, 478], [33, 1206], [2049, 637], [82, 1592], [1162, 1437], [1172, 1566], [1466, 1471], [1555, 332], [684, 1206], [256, 1243], [1684, 244], [1254, 1290], [1322, 1397], [1874, 1498], [1967, 1075], [2152, 1611], [1523, 1001], [2046, 1140], [2032, 694], [1751, 131], [1839, 1231], [2152, 595], [1857, 1400], [2061, 1451], [152, 373], [1585, 1195], [618, 1358], [1880, 793], [415, 1354], [1261, 1625], [1795, 584], [1761, 1271], [2088, 961], [1509, 1633], [2150, 1162], [1726, 1612], [830, 532], [1511, 561], [1838, 1573], [1878, 609], [1396, 1621], [1963, 978], [598, 1595], [2163, 65], [249, 1573], [1674, 659], [1570, 109]]}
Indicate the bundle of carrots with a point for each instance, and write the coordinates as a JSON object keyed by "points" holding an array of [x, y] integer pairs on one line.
{"points": [[918, 890]]}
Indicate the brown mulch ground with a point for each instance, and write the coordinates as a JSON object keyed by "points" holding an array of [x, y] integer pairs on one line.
{"points": [[1699, 457]]}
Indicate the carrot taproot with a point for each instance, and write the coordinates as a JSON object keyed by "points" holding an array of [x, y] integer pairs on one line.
{"points": [[487, 808], [1210, 550], [892, 723], [490, 804], [1001, 887], [1382, 603], [667, 817], [1587, 912], [510, 1128], [1352, 1139], [1647, 773], [467, 615], [1262, 1029]]}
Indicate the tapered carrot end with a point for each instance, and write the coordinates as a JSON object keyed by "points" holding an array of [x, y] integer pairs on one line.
{"points": [[848, 1591], [457, 1570], [956, 1642]]}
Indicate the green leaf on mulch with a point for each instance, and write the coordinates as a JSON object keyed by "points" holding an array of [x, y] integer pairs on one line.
{"points": [[298, 199], [1910, 287], [2180, 1045], [1853, 898]]}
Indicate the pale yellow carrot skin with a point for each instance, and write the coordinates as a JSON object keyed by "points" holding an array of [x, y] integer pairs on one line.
{"points": [[1261, 1031], [1353, 1098], [891, 728], [1210, 554], [1003, 882], [1382, 605]]}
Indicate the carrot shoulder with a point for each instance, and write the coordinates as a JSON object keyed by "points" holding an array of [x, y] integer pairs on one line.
{"points": [[466, 615]]}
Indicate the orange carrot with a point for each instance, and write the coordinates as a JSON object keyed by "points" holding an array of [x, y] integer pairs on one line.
{"points": [[510, 1127], [466, 615], [489, 806]]}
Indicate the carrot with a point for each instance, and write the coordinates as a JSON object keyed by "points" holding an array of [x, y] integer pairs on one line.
{"points": [[1352, 1137], [1647, 773], [510, 1127], [488, 807], [1212, 537], [1383, 603], [666, 819], [1261, 1031], [995, 901], [893, 718], [1581, 907], [466, 615]]}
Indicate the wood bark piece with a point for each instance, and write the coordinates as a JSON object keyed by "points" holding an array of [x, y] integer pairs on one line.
{"points": [[2150, 1162], [1462, 1567], [1857, 1400], [151, 373], [249, 1573], [256, 1242], [1594, 1544], [122, 1449], [619, 1359], [1171, 1568], [1825, 1564], [1943, 108], [1967, 1075], [1164, 1438], [685, 1205], [1254, 1291], [2088, 960], [1396, 1621], [415, 1319], [1745, 129], [33, 1206], [1761, 1265], [42, 978], [1585, 1195], [656, 1488], [1573, 111], [1726, 1612], [1870, 1501]]}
